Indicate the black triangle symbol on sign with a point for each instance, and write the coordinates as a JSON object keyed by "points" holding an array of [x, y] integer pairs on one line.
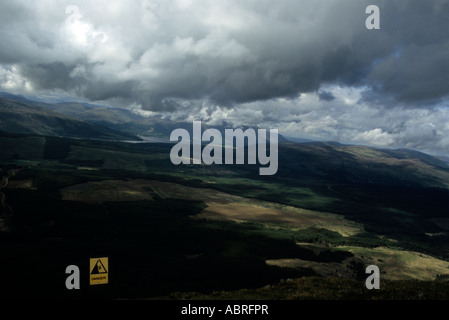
{"points": [[99, 268]]}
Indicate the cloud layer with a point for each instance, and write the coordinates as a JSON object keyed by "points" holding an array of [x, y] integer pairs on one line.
{"points": [[311, 62]]}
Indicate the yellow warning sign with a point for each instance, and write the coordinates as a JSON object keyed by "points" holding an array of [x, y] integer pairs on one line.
{"points": [[99, 270]]}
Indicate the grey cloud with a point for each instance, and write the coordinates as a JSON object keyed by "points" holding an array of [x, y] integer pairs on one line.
{"points": [[232, 53], [50, 76], [228, 53], [326, 95], [416, 75]]}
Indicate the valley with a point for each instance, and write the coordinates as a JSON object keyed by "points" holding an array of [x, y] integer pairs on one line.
{"points": [[76, 198], [211, 231]]}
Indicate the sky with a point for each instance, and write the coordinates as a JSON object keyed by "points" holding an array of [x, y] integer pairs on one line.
{"points": [[310, 68]]}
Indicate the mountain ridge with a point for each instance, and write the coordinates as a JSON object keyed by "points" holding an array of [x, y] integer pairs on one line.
{"points": [[112, 123], [23, 118]]}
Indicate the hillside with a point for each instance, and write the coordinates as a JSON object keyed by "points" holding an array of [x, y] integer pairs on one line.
{"points": [[330, 210], [24, 118]]}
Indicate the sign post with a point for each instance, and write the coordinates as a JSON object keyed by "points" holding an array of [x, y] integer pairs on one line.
{"points": [[99, 271]]}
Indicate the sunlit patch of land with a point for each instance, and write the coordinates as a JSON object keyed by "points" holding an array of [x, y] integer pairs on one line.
{"points": [[394, 264], [398, 264], [220, 205], [87, 168], [224, 206], [21, 184]]}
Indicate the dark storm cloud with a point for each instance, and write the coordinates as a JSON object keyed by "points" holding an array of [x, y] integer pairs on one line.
{"points": [[326, 96], [51, 76], [153, 53]]}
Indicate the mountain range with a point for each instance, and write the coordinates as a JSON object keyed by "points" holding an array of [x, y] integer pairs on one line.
{"points": [[21, 115], [84, 120]]}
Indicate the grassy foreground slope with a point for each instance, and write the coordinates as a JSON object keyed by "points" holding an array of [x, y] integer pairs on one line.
{"points": [[329, 288]]}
